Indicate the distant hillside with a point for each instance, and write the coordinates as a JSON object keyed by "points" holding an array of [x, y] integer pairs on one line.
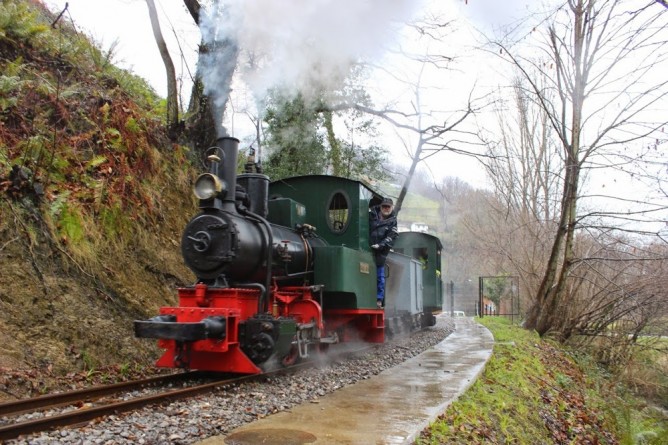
{"points": [[92, 196], [417, 208]]}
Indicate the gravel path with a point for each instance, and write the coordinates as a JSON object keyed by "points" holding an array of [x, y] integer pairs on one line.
{"points": [[189, 421]]}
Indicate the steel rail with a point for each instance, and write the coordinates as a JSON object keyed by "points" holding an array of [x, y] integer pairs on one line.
{"points": [[78, 416], [84, 415], [59, 399]]}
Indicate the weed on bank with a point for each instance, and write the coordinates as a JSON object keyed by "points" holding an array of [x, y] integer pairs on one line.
{"points": [[533, 392]]}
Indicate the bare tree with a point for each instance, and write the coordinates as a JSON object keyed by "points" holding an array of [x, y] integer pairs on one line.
{"points": [[172, 93], [424, 129], [619, 295], [600, 61], [523, 167]]}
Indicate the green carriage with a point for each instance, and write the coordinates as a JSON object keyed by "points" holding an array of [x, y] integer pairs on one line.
{"points": [[426, 249]]}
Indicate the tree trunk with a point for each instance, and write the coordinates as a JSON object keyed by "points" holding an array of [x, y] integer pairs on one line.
{"points": [[546, 313], [205, 113], [200, 124], [172, 92], [335, 146], [409, 176], [194, 8]]}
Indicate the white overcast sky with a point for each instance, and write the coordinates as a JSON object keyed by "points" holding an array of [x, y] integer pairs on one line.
{"points": [[127, 23]]}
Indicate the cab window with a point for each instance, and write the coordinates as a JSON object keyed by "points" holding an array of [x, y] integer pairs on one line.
{"points": [[338, 212]]}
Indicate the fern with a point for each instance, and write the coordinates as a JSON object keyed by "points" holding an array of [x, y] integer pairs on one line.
{"points": [[18, 22], [115, 139], [9, 88], [96, 162], [132, 126], [71, 224], [58, 204]]}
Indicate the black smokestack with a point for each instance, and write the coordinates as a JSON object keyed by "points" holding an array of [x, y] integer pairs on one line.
{"points": [[228, 173]]}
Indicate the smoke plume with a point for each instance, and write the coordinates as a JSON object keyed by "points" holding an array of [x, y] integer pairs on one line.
{"points": [[298, 46]]}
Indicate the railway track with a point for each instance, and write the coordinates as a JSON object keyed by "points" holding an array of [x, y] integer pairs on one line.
{"points": [[76, 407], [81, 406]]}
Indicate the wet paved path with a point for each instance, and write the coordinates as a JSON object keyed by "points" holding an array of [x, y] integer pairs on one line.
{"points": [[390, 408]]}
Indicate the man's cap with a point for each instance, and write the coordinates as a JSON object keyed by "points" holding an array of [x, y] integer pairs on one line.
{"points": [[387, 202]]}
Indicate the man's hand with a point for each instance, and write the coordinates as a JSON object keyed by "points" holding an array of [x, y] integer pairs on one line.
{"points": [[375, 247]]}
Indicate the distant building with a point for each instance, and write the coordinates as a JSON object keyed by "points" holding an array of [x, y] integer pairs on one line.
{"points": [[419, 227], [488, 307]]}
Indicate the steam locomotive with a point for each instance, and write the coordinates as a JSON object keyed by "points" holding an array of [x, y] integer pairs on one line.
{"points": [[272, 290]]}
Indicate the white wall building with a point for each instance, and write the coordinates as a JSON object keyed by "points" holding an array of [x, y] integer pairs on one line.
{"points": [[419, 227]]}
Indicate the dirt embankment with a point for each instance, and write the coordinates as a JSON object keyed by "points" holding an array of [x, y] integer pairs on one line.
{"points": [[93, 198], [61, 319]]}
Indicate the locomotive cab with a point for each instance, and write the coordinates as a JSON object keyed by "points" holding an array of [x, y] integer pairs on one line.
{"points": [[339, 207]]}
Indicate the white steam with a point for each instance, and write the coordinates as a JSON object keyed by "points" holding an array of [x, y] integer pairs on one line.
{"points": [[301, 45]]}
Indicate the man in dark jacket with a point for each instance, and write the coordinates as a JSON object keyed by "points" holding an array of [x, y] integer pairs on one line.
{"points": [[382, 233]]}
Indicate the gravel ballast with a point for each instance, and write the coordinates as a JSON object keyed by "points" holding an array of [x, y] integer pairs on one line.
{"points": [[192, 420]]}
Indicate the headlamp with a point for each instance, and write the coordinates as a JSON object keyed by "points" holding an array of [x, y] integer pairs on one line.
{"points": [[207, 186]]}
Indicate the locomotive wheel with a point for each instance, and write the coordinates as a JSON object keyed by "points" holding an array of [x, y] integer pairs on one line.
{"points": [[291, 358], [260, 349]]}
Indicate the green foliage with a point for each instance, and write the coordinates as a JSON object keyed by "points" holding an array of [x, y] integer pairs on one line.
{"points": [[364, 163], [296, 146], [26, 25], [4, 159], [103, 59], [88, 364], [136, 87], [302, 140], [496, 287], [124, 370], [114, 138], [646, 371], [8, 86], [160, 109], [363, 159], [45, 85], [19, 22], [563, 381], [71, 224], [58, 204], [33, 148], [67, 118], [103, 187], [132, 125], [95, 162]]}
